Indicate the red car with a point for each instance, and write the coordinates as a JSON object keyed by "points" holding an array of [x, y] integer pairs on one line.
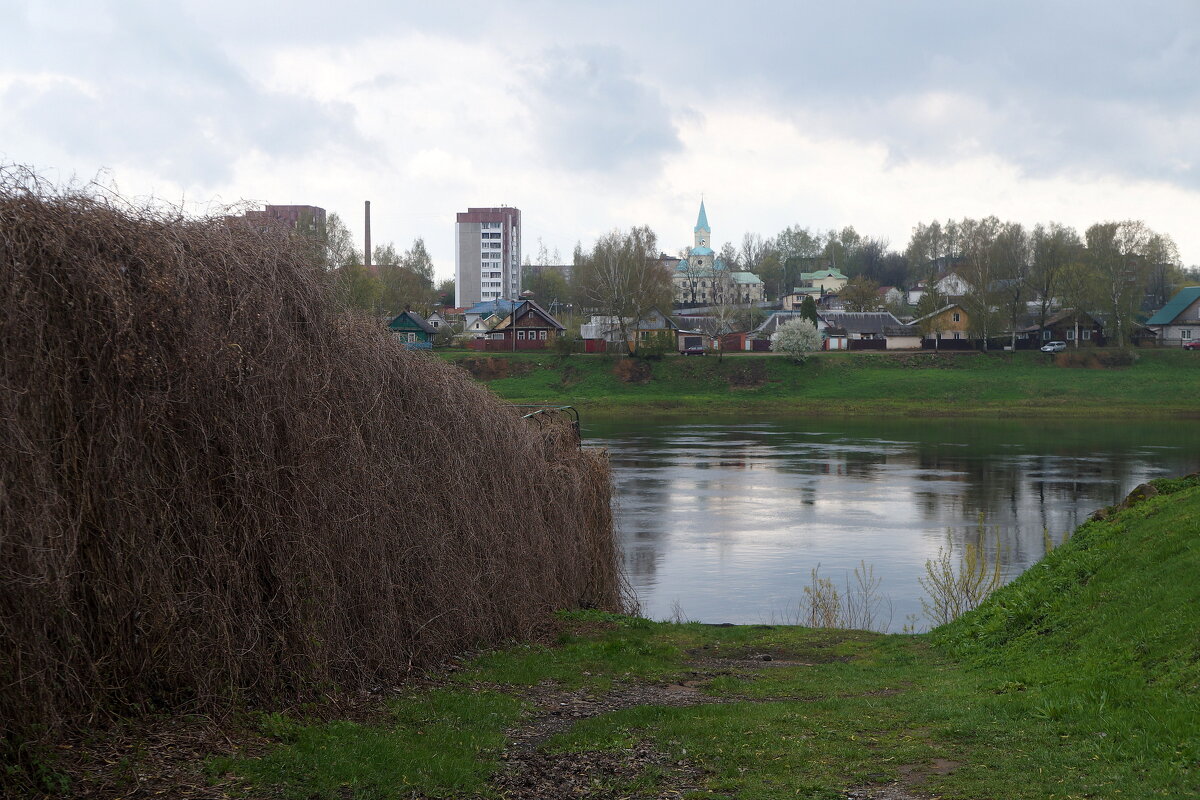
{"points": [[1194, 344]]}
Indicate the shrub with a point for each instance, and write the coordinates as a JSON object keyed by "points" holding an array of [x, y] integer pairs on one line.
{"points": [[216, 490], [632, 370], [796, 337]]}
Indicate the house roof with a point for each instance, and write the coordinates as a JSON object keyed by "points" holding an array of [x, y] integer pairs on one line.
{"points": [[507, 322], [832, 272], [410, 319], [772, 323], [700, 251], [702, 220], [941, 310], [745, 277], [1031, 323], [1178, 304], [493, 306], [882, 322]]}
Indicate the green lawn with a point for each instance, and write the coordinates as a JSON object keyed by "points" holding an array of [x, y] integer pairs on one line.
{"points": [[1079, 679], [1025, 384]]}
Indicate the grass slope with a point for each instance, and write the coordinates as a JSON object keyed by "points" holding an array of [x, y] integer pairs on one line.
{"points": [[1160, 383], [1080, 679]]}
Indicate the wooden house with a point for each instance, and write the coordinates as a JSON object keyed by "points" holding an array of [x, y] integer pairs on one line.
{"points": [[528, 327], [412, 330]]}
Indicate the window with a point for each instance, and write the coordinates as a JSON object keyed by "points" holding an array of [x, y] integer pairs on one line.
{"points": [[541, 334], [1045, 336], [1086, 333], [1070, 334], [520, 334], [412, 337], [957, 317], [1185, 335], [957, 335]]}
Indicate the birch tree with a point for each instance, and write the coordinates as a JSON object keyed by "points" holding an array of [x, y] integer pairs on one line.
{"points": [[622, 278]]}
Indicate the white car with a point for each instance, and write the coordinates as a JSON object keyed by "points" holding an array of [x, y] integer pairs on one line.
{"points": [[1054, 347]]}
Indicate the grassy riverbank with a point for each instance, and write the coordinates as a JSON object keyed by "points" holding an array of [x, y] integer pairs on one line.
{"points": [[1080, 679], [1027, 384]]}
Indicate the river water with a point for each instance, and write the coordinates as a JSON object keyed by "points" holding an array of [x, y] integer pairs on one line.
{"points": [[723, 521]]}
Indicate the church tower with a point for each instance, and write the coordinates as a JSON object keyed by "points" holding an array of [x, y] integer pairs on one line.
{"points": [[701, 256], [703, 232]]}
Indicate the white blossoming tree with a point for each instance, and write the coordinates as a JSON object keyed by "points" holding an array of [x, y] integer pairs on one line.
{"points": [[796, 337]]}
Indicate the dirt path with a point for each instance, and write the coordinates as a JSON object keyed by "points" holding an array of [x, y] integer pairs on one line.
{"points": [[530, 773]]}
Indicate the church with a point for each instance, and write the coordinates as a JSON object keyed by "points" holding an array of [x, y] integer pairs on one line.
{"points": [[703, 278]]}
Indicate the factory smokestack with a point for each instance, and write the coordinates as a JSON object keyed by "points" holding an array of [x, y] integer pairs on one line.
{"points": [[367, 236]]}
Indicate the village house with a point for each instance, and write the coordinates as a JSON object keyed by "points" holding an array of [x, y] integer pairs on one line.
{"points": [[1178, 322], [412, 330], [947, 327], [653, 326], [1077, 328], [528, 327], [869, 330]]}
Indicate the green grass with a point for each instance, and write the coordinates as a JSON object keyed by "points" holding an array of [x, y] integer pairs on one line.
{"points": [[442, 743], [1026, 384], [1081, 679]]}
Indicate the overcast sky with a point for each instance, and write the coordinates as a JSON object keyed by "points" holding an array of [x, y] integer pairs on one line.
{"points": [[594, 115]]}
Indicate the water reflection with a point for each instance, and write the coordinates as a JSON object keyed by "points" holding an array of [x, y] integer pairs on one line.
{"points": [[727, 520]]}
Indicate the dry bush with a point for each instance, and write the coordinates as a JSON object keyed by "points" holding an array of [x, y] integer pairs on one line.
{"points": [[632, 370], [1092, 358], [214, 490], [489, 368]]}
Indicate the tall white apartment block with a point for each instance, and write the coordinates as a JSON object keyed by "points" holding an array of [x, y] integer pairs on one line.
{"points": [[487, 255]]}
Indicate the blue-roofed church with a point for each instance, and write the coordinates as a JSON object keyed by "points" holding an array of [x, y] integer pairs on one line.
{"points": [[703, 278]]}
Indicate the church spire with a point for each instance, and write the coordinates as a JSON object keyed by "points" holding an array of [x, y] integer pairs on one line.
{"points": [[702, 221]]}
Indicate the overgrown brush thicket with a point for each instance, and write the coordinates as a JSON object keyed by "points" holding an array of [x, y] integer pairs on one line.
{"points": [[215, 489]]}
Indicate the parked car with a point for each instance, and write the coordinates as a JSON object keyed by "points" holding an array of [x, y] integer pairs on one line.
{"points": [[1054, 347], [1194, 344], [694, 350]]}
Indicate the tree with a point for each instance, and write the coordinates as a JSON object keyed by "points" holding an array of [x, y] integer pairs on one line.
{"points": [[622, 279], [1053, 247], [860, 294], [796, 337], [339, 243], [417, 259], [549, 287], [406, 278], [357, 288], [445, 293], [930, 303], [770, 270], [808, 309], [1117, 253], [1077, 287], [1012, 257], [729, 255], [1165, 276], [981, 270]]}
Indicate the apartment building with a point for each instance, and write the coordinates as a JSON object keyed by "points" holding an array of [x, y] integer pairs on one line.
{"points": [[487, 255]]}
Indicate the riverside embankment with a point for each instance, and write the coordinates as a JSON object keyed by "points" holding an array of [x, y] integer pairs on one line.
{"points": [[1149, 383], [1079, 679]]}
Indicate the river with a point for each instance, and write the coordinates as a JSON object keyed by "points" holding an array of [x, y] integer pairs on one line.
{"points": [[724, 521]]}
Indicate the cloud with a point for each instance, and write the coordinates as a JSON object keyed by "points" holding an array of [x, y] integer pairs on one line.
{"points": [[590, 113]]}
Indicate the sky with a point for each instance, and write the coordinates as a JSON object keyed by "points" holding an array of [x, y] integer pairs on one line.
{"points": [[590, 116]]}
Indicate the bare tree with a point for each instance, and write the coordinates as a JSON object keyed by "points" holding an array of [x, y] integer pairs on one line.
{"points": [[1012, 258], [622, 279], [981, 268], [1117, 252], [1053, 248], [860, 294]]}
